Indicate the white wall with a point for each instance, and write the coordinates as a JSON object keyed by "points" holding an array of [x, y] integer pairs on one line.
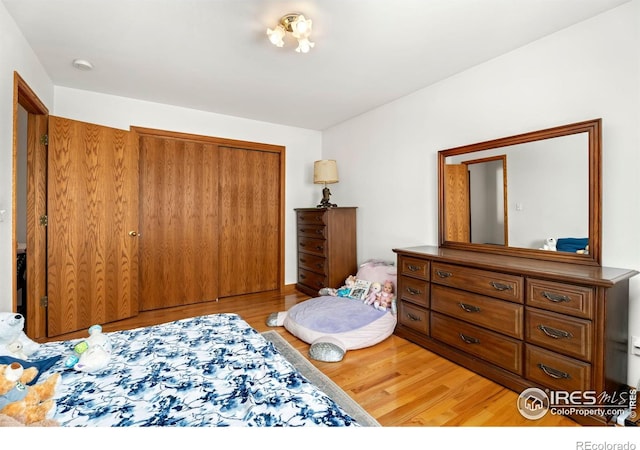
{"points": [[388, 157], [15, 55]]}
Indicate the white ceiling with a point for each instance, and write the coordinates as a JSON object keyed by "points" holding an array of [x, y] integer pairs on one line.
{"points": [[213, 55]]}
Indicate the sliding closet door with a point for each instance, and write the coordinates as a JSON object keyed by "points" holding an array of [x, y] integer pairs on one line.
{"points": [[92, 207], [250, 215], [178, 222]]}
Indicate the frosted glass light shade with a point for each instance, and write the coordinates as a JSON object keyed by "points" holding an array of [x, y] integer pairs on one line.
{"points": [[325, 171]]}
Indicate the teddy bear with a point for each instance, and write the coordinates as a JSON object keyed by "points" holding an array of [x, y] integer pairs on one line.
{"points": [[386, 297], [374, 293], [28, 405], [13, 341]]}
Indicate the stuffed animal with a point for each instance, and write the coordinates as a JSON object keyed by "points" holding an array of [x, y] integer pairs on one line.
{"points": [[28, 405], [549, 244], [386, 297], [93, 354], [13, 341], [374, 293]]}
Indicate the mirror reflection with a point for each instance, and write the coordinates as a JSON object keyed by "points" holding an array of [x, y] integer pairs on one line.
{"points": [[526, 195], [535, 194]]}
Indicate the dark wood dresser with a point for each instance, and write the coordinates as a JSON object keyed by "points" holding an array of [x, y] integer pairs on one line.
{"points": [[326, 247], [520, 322]]}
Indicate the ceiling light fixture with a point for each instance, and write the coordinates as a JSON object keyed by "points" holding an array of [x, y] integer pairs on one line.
{"points": [[298, 26], [82, 64]]}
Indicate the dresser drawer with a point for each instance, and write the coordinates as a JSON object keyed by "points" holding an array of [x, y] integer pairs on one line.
{"points": [[567, 335], [495, 284], [311, 245], [561, 297], [317, 217], [414, 267], [413, 317], [315, 281], [415, 291], [493, 347], [557, 372], [491, 313], [312, 262], [312, 230]]}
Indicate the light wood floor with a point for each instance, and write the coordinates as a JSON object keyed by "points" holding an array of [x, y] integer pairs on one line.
{"points": [[396, 381]]}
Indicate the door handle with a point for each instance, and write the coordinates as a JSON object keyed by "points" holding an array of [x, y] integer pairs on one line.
{"points": [[133, 233]]}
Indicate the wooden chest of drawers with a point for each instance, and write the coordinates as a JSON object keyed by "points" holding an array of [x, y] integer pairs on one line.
{"points": [[520, 322], [326, 240]]}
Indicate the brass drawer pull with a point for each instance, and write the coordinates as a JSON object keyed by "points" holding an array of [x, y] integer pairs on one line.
{"points": [[501, 286], [554, 373], [443, 274], [302, 276], [469, 339], [469, 308], [319, 247], [413, 268], [320, 231], [557, 298], [554, 332], [320, 265], [413, 291], [414, 318], [302, 260]]}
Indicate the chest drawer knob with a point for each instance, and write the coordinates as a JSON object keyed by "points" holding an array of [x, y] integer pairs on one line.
{"points": [[501, 286], [413, 317], [554, 333], [413, 267], [469, 308], [413, 291], [469, 339], [557, 298], [443, 274], [553, 373]]}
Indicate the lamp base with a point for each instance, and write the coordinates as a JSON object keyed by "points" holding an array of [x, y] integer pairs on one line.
{"points": [[325, 203]]}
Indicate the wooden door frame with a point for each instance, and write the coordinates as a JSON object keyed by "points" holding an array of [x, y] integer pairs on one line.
{"points": [[24, 96]]}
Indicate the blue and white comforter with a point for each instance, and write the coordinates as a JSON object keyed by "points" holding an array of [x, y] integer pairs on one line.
{"points": [[213, 370]]}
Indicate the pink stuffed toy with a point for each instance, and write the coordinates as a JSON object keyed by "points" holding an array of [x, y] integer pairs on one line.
{"points": [[374, 292]]}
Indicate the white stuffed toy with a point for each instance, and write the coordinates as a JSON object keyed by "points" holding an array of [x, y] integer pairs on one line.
{"points": [[92, 354], [549, 244], [13, 341]]}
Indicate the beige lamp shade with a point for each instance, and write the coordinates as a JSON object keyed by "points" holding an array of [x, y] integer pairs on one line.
{"points": [[325, 171]]}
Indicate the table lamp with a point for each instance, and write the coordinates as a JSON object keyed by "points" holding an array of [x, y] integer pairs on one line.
{"points": [[325, 172]]}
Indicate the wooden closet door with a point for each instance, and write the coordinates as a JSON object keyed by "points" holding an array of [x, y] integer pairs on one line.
{"points": [[92, 274], [178, 222], [250, 183]]}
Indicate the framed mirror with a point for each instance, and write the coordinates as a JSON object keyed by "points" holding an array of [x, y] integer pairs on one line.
{"points": [[534, 195]]}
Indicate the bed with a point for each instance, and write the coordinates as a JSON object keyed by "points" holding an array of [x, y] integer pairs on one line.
{"points": [[207, 371]]}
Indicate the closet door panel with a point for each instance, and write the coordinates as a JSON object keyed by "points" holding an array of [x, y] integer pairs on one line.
{"points": [[250, 213], [92, 274], [178, 215]]}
